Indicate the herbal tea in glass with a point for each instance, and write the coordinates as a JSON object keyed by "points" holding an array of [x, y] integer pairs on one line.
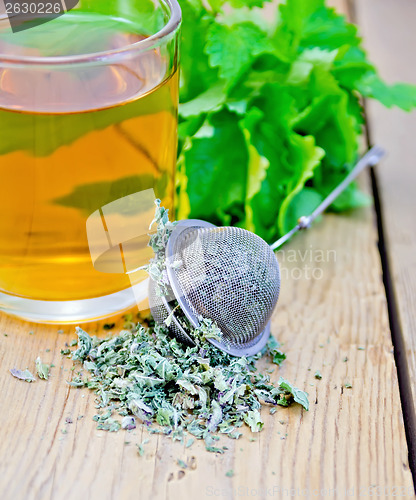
{"points": [[88, 116]]}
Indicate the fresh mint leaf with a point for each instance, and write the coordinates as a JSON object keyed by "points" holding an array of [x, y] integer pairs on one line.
{"points": [[215, 168], [350, 65], [308, 158], [209, 100], [308, 60], [326, 29], [328, 119], [293, 17], [401, 95], [268, 125], [352, 197], [256, 171], [248, 3], [197, 75], [270, 133], [232, 49], [303, 203], [294, 80]]}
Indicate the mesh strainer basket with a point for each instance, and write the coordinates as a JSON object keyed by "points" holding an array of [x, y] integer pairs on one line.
{"points": [[227, 274]]}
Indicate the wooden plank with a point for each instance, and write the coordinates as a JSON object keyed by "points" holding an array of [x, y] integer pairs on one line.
{"points": [[388, 28], [350, 439]]}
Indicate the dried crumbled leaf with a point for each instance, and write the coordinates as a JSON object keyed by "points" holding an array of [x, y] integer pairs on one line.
{"points": [[214, 449], [190, 442], [128, 423], [299, 396], [22, 374], [42, 369], [216, 416], [84, 342], [278, 356], [253, 420], [140, 447]]}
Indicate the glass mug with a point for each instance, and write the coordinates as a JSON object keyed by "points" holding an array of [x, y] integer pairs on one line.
{"points": [[88, 117]]}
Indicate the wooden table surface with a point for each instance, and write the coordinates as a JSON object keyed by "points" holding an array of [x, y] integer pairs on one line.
{"points": [[351, 441]]}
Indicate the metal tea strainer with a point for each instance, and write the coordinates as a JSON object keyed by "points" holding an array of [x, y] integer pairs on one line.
{"points": [[229, 275]]}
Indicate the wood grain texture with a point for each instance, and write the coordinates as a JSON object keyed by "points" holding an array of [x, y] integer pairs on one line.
{"points": [[332, 302], [388, 28], [350, 439]]}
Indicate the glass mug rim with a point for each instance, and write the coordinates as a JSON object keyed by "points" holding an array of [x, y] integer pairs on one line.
{"points": [[107, 56]]}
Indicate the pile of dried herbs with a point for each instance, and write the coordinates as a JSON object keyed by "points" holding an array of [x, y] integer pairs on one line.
{"points": [[146, 374]]}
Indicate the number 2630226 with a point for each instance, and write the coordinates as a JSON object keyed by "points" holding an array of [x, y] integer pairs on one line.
{"points": [[34, 8]]}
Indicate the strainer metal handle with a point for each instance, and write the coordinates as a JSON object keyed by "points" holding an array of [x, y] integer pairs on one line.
{"points": [[370, 159]]}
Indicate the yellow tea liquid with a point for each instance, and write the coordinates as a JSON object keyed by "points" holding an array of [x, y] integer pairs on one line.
{"points": [[72, 141]]}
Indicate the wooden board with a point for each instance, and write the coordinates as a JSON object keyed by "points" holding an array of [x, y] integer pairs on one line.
{"points": [[390, 37], [332, 303], [350, 439]]}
